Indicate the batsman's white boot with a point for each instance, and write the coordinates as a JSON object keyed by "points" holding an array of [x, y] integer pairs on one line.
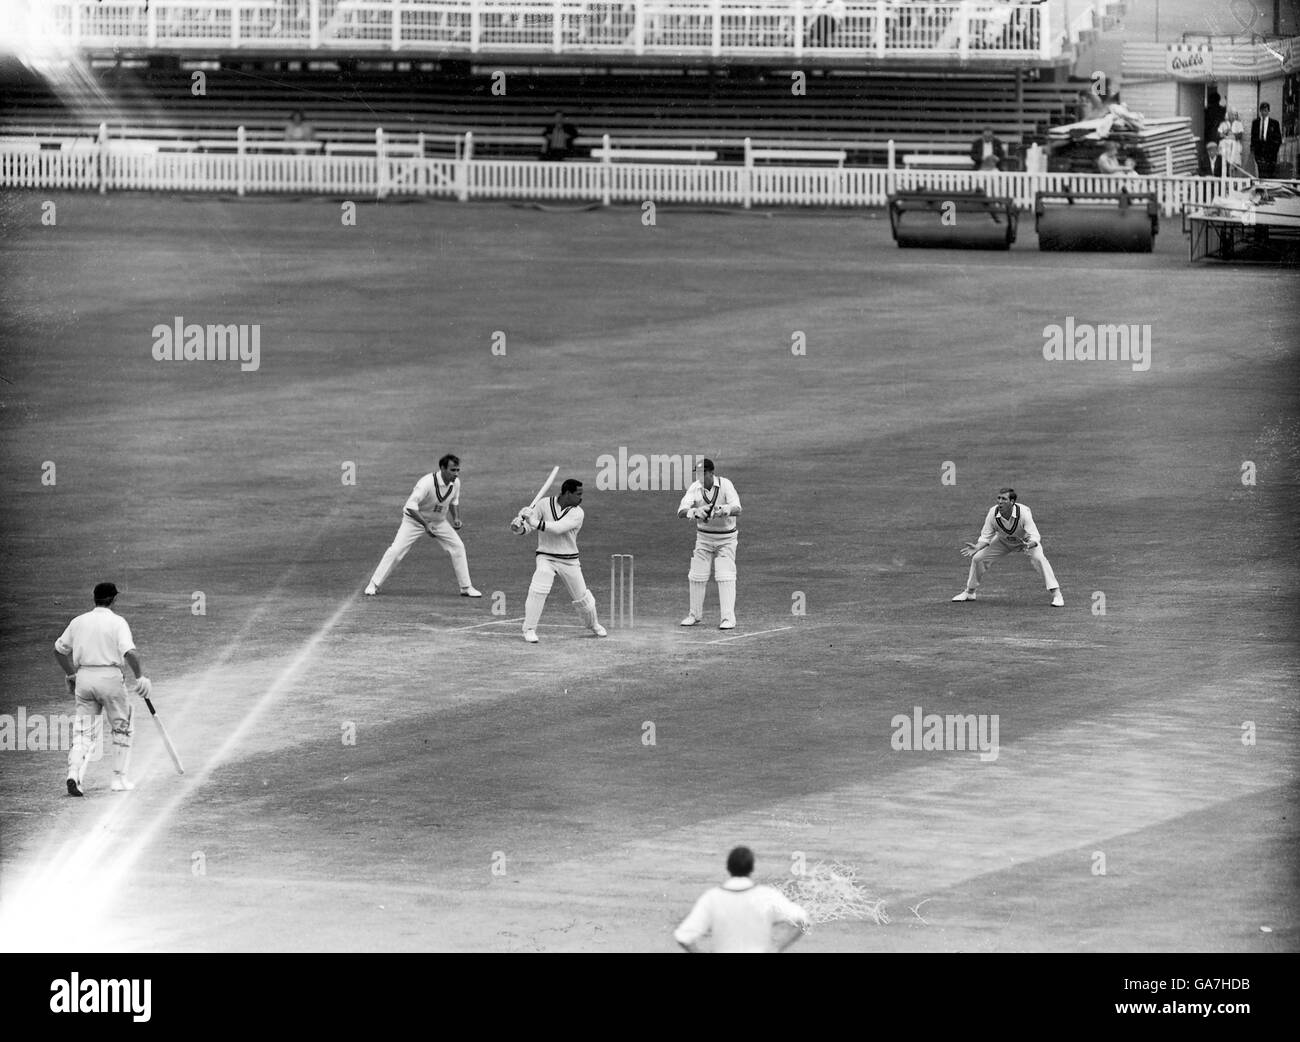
{"points": [[727, 624], [965, 595], [469, 591], [120, 784], [691, 620], [530, 636], [1057, 600], [599, 630], [371, 590]]}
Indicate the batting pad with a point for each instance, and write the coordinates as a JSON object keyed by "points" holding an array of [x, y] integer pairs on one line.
{"points": [[586, 608]]}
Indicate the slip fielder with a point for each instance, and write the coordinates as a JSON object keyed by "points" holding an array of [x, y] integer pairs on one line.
{"points": [[1009, 528], [91, 652], [711, 502], [433, 509], [557, 521]]}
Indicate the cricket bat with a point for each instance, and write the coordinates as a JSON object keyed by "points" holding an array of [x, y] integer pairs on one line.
{"points": [[543, 490], [167, 740]]}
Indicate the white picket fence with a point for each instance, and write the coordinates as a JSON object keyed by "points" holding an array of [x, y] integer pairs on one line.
{"points": [[133, 166]]}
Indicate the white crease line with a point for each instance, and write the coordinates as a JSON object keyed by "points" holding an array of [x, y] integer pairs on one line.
{"points": [[741, 636], [552, 626], [477, 626]]}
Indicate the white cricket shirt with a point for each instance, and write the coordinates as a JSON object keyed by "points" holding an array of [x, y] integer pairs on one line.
{"points": [[97, 638]]}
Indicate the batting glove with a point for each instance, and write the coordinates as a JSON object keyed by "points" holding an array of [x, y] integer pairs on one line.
{"points": [[143, 686]]}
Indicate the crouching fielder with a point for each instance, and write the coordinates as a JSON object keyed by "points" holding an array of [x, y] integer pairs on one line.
{"points": [[557, 521], [711, 502], [1009, 528]]}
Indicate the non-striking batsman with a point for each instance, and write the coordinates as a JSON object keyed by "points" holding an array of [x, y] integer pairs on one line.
{"points": [[557, 521], [622, 590]]}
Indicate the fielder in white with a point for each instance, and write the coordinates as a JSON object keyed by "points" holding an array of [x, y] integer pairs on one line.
{"points": [[433, 509], [91, 652], [741, 915], [557, 521], [711, 502], [1008, 529]]}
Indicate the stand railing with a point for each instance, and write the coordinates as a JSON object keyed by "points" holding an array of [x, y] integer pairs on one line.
{"points": [[787, 29]]}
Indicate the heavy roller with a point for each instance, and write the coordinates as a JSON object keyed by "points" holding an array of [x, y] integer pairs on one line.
{"points": [[952, 220], [1112, 222]]}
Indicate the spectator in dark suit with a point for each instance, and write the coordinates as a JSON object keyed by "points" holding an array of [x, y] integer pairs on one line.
{"points": [[1265, 141], [1212, 165], [1214, 114], [557, 139], [986, 152]]}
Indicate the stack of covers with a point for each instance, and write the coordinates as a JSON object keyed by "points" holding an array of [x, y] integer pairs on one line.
{"points": [[1076, 146]]}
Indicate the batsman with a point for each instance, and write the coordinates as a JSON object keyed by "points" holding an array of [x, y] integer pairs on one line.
{"points": [[557, 521], [91, 652], [712, 503]]}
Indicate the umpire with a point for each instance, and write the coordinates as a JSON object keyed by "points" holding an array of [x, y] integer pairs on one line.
{"points": [[91, 652]]}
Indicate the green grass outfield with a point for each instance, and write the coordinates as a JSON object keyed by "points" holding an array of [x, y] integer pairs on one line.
{"points": [[1121, 734]]}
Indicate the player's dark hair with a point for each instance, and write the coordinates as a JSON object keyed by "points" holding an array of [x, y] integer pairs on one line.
{"points": [[1010, 493], [740, 862], [570, 485], [449, 458], [708, 463], [105, 594]]}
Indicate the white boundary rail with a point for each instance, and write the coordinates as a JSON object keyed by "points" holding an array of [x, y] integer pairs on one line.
{"points": [[105, 164], [962, 29]]}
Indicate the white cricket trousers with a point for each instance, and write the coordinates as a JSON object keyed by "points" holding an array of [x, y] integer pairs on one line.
{"points": [[979, 564], [408, 534]]}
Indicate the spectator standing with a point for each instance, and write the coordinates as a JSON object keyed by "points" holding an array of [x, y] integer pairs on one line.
{"points": [[1231, 131], [1265, 141]]}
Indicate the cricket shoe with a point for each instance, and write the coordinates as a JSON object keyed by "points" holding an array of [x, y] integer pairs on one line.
{"points": [[469, 591], [690, 620], [372, 590], [727, 624], [74, 788], [599, 630], [1057, 600], [965, 595], [530, 636], [120, 784]]}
